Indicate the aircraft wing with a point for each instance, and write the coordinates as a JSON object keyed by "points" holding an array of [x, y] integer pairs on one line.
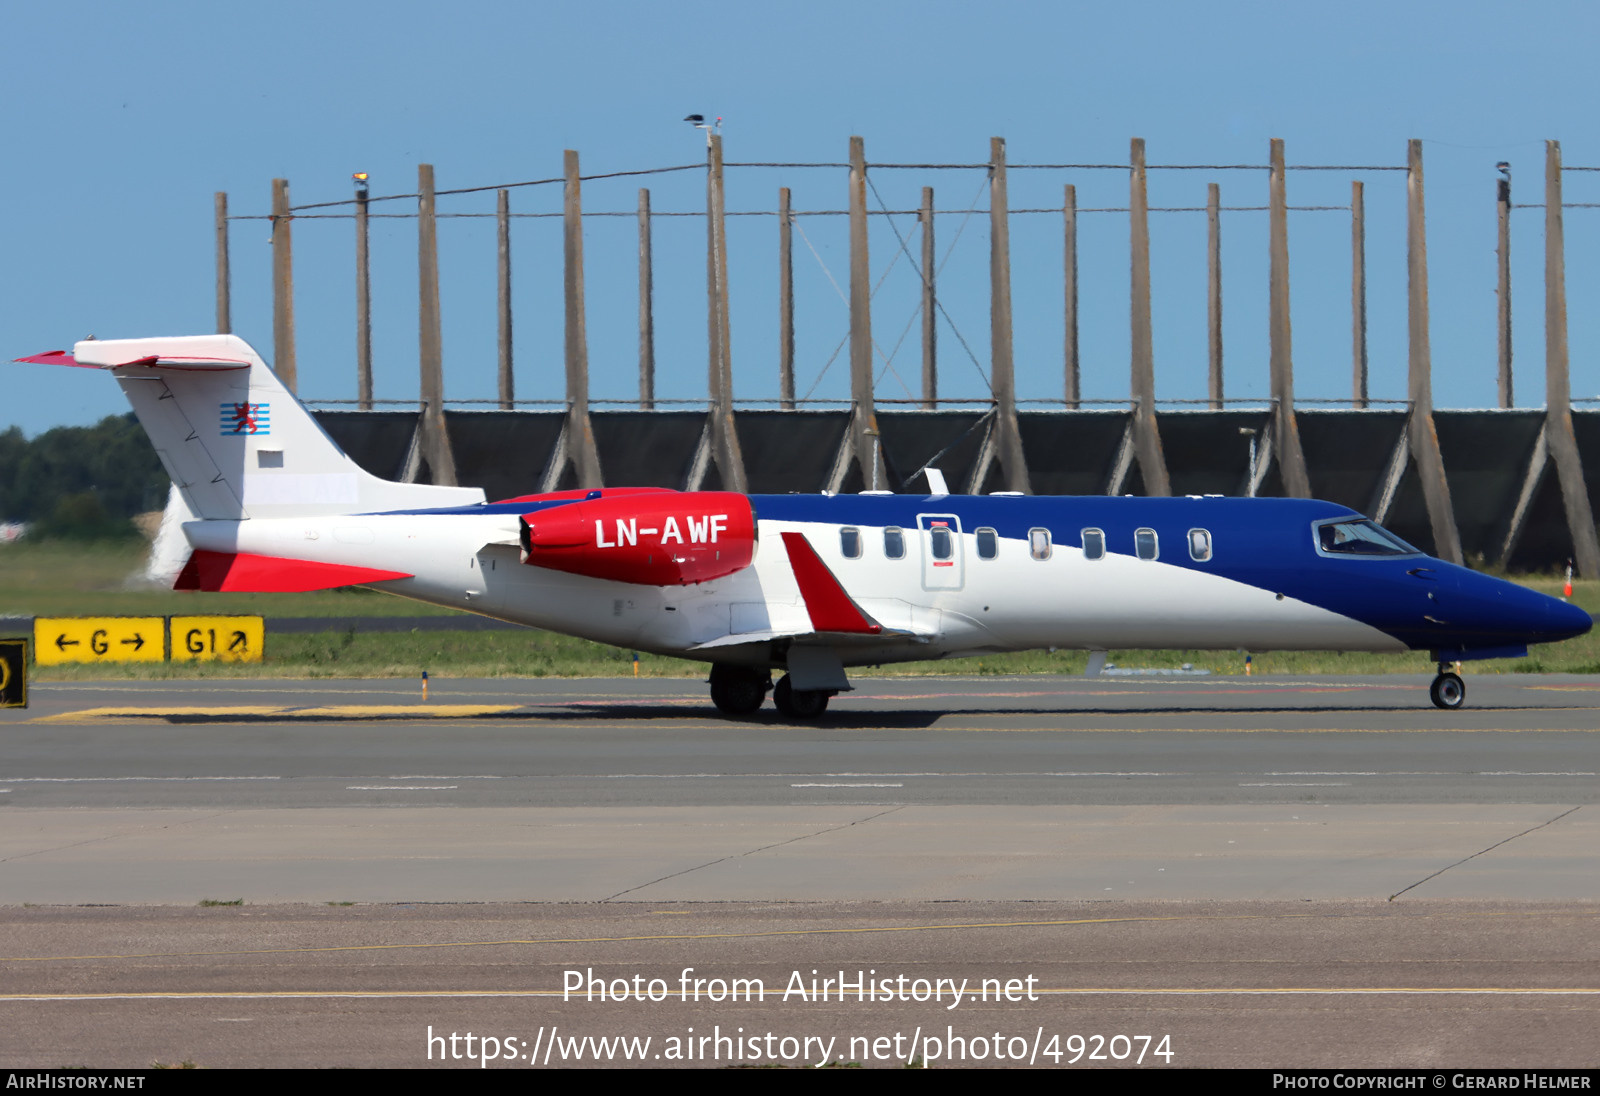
{"points": [[836, 618]]}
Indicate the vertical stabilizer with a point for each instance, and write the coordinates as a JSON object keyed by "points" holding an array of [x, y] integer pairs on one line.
{"points": [[236, 443]]}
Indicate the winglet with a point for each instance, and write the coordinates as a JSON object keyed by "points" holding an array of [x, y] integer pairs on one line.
{"points": [[830, 607]]}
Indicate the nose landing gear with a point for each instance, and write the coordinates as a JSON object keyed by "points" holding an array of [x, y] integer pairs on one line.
{"points": [[1447, 690]]}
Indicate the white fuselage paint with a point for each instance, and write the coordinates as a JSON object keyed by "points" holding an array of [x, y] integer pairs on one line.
{"points": [[1011, 602]]}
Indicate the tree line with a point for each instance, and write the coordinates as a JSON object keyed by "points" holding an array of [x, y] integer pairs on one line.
{"points": [[81, 482]]}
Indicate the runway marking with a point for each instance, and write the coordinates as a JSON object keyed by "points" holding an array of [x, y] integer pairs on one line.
{"points": [[1292, 784], [846, 785], [1075, 991], [664, 937], [860, 694], [284, 712], [123, 779], [862, 930], [402, 787], [1069, 730]]}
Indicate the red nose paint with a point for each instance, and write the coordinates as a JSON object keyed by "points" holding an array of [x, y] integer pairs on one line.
{"points": [[670, 539]]}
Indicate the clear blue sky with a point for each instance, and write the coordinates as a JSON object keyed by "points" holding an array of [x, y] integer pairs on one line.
{"points": [[120, 121]]}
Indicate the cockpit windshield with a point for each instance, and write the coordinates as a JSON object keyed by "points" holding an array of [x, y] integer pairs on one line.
{"points": [[1359, 537]]}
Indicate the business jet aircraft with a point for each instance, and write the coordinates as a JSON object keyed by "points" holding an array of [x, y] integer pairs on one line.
{"points": [[807, 584]]}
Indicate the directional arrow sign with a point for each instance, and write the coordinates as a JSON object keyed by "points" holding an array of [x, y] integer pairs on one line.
{"points": [[99, 639], [217, 638]]}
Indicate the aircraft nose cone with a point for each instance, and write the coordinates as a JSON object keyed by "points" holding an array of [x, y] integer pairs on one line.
{"points": [[1567, 620]]}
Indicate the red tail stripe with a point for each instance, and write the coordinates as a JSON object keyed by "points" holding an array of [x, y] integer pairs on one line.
{"points": [[226, 572]]}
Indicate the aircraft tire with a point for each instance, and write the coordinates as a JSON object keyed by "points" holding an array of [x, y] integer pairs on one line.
{"points": [[1447, 691], [736, 690], [795, 703]]}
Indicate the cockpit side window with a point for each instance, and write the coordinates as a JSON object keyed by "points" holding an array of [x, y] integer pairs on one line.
{"points": [[1359, 537]]}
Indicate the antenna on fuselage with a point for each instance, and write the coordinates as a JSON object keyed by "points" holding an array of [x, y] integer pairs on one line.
{"points": [[936, 485]]}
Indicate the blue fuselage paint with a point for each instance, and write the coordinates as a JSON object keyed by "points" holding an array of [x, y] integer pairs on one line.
{"points": [[1420, 602]]}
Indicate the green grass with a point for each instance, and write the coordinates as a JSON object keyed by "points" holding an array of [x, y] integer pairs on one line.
{"points": [[92, 580], [57, 578]]}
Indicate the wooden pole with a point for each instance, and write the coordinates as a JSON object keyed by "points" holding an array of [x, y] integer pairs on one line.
{"points": [[581, 447], [363, 301], [647, 309], [430, 342], [1074, 383], [1558, 388], [282, 286], [1358, 294], [224, 305], [507, 376], [1214, 294], [1424, 437], [864, 422], [1147, 437], [1503, 295], [1286, 432], [713, 286], [930, 304], [725, 436], [785, 301], [1002, 370]]}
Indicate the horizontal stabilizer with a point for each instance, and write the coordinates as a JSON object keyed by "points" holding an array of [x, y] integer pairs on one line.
{"points": [[101, 361], [830, 608], [55, 357], [243, 573]]}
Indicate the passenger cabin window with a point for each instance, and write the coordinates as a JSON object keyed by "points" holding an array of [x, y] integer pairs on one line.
{"points": [[1094, 544], [850, 543], [1200, 545], [939, 539], [1360, 537], [1039, 543], [1145, 545], [988, 544], [894, 543]]}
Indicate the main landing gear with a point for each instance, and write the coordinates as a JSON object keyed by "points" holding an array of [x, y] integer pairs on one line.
{"points": [[799, 703], [739, 690], [1447, 690]]}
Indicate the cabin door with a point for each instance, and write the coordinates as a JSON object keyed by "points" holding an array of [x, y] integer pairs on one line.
{"points": [[942, 564]]}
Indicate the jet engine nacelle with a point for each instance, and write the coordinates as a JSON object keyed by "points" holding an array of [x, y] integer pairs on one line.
{"points": [[670, 539]]}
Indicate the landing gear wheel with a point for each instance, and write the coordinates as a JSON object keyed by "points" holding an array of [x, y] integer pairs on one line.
{"points": [[738, 690], [798, 703], [1447, 691]]}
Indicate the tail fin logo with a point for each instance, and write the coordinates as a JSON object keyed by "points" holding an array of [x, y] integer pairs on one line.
{"points": [[246, 418]]}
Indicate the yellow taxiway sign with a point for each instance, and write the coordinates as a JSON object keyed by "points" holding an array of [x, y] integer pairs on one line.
{"points": [[99, 639], [217, 638]]}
